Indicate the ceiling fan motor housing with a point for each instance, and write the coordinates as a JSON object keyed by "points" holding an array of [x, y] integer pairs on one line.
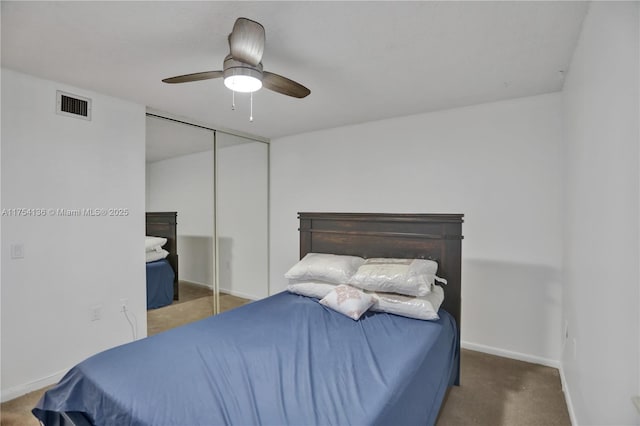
{"points": [[233, 67]]}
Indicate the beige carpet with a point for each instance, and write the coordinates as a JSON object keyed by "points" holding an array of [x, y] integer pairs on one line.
{"points": [[161, 319], [501, 391], [196, 302], [189, 291], [177, 314], [17, 412]]}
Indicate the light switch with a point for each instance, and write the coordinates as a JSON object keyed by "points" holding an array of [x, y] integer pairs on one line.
{"points": [[17, 251]]}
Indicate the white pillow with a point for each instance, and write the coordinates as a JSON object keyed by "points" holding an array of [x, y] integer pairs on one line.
{"points": [[331, 268], [311, 288], [424, 308], [413, 277], [348, 301], [156, 255], [154, 243]]}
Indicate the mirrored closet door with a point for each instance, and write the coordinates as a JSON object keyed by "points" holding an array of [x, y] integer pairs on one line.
{"points": [[215, 186], [242, 219], [180, 185]]}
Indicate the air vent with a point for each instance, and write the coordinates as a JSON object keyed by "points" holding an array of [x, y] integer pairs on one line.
{"points": [[73, 105]]}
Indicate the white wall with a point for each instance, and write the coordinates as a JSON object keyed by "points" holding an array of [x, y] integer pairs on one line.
{"points": [[185, 185], [601, 290], [499, 164], [147, 186], [70, 263], [242, 216], [1, 254]]}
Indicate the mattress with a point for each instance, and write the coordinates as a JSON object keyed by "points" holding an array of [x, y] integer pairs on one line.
{"points": [[282, 360], [160, 278]]}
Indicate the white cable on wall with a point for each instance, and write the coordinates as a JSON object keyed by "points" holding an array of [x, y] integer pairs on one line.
{"points": [[125, 311]]}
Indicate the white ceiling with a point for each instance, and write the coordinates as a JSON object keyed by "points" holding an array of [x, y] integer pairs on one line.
{"points": [[362, 61]]}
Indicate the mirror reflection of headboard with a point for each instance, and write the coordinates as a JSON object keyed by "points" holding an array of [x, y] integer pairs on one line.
{"points": [[164, 224], [426, 236]]}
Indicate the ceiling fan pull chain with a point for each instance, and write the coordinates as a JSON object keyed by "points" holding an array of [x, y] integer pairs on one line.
{"points": [[251, 113], [233, 100]]}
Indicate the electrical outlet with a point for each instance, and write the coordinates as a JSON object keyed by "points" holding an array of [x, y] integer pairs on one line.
{"points": [[124, 305], [17, 251], [95, 313]]}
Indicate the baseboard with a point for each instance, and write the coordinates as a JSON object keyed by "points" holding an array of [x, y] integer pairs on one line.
{"points": [[17, 391], [210, 287], [223, 290], [567, 397], [511, 354], [238, 294]]}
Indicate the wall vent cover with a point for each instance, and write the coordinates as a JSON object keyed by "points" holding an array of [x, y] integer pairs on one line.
{"points": [[73, 105]]}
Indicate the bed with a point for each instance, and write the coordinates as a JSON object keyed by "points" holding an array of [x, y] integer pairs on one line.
{"points": [[162, 275], [287, 359]]}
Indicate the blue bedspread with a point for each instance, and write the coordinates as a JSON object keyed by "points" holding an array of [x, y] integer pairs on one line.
{"points": [[160, 277], [283, 360]]}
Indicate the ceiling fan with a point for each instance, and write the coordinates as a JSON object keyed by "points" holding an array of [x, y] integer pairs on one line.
{"points": [[242, 68]]}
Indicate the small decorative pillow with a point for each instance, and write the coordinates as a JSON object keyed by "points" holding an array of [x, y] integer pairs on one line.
{"points": [[348, 301], [424, 308], [413, 277], [331, 268], [310, 289]]}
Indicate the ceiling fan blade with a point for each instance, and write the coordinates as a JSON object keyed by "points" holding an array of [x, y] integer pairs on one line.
{"points": [[246, 41], [193, 77], [283, 85]]}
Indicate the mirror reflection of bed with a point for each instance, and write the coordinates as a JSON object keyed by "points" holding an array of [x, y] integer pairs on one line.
{"points": [[177, 292]]}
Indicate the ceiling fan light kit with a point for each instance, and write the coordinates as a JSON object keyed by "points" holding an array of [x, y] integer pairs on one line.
{"points": [[242, 68], [244, 83], [241, 77]]}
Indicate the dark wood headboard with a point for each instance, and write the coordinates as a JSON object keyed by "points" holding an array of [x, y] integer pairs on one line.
{"points": [[164, 224]]}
